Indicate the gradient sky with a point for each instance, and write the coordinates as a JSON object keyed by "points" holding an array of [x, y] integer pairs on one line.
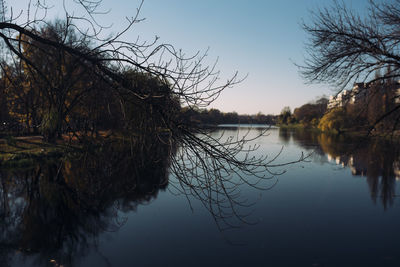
{"points": [[259, 38]]}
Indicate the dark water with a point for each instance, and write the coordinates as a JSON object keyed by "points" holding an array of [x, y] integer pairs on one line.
{"points": [[339, 208]]}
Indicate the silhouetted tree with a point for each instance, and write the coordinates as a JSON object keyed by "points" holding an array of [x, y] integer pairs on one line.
{"points": [[286, 116], [307, 112], [150, 81], [345, 47]]}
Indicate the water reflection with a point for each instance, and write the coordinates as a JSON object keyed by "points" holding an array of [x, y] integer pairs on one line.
{"points": [[284, 135], [55, 210], [376, 159]]}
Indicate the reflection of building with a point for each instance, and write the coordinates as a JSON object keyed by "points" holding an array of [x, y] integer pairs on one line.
{"points": [[396, 169], [378, 160], [357, 167], [381, 175]]}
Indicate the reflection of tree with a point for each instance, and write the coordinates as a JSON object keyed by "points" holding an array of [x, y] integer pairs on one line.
{"points": [[372, 158], [284, 135], [216, 180], [306, 138], [377, 159], [57, 209], [381, 176]]}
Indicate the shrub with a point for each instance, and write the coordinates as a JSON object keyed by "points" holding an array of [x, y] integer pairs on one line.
{"points": [[335, 120]]}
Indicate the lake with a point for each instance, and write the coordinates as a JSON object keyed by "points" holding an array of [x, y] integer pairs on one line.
{"points": [[339, 207]]}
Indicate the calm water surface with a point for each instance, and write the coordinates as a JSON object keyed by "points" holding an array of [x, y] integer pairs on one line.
{"points": [[338, 208]]}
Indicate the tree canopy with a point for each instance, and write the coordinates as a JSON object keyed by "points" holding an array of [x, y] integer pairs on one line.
{"points": [[311, 112], [346, 47]]}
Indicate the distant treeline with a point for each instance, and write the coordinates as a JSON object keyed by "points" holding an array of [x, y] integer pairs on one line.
{"points": [[215, 116]]}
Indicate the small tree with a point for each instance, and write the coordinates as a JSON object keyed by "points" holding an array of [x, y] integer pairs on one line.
{"points": [[286, 116], [335, 120]]}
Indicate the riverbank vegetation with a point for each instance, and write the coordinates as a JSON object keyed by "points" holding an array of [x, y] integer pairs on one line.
{"points": [[367, 109], [372, 111]]}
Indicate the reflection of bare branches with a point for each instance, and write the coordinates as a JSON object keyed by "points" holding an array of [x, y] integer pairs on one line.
{"points": [[212, 168]]}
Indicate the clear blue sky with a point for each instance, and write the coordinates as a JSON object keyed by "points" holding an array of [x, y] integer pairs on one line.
{"points": [[260, 38]]}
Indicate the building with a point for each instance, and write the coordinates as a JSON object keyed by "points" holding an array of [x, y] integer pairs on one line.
{"points": [[357, 94]]}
